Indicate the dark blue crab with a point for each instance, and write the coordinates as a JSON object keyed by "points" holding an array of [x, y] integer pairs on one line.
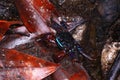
{"points": [[66, 42]]}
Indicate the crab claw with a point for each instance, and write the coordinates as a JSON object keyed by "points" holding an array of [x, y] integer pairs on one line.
{"points": [[4, 26], [17, 65]]}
